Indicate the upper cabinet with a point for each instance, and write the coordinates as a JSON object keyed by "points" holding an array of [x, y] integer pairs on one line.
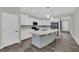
{"points": [[44, 22], [26, 20]]}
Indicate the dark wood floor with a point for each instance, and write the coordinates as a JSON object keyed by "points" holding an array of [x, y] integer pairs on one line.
{"points": [[65, 43]]}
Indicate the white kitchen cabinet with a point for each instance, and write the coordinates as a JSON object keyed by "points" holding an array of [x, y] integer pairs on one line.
{"points": [[44, 22], [25, 34], [42, 38], [25, 20], [47, 39], [10, 29]]}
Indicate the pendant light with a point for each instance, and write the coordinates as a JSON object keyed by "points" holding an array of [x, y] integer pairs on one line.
{"points": [[48, 16], [51, 18]]}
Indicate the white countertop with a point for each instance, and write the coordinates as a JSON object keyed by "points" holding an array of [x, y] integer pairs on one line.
{"points": [[41, 32], [28, 33]]}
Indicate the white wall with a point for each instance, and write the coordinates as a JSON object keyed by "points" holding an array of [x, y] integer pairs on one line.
{"points": [[75, 26], [0, 27], [71, 26]]}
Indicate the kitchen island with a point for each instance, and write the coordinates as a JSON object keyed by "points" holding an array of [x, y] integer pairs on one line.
{"points": [[42, 38]]}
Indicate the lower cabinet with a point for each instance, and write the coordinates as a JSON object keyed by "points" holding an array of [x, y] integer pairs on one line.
{"points": [[43, 40], [25, 35], [47, 39]]}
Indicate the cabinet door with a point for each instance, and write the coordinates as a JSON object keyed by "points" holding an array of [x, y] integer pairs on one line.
{"points": [[25, 34], [44, 22], [10, 29], [43, 41], [25, 20]]}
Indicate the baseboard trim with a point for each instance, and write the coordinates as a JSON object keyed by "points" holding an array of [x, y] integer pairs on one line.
{"points": [[75, 39], [65, 31]]}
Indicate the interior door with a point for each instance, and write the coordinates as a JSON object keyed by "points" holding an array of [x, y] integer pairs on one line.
{"points": [[9, 29], [65, 25]]}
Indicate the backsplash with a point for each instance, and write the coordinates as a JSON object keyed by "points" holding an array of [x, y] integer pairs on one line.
{"points": [[25, 27]]}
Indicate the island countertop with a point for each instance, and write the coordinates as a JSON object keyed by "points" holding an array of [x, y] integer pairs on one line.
{"points": [[44, 32]]}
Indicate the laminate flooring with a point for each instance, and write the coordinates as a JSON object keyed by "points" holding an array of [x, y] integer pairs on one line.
{"points": [[64, 43]]}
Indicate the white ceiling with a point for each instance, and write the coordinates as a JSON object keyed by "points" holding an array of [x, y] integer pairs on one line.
{"points": [[41, 12]]}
